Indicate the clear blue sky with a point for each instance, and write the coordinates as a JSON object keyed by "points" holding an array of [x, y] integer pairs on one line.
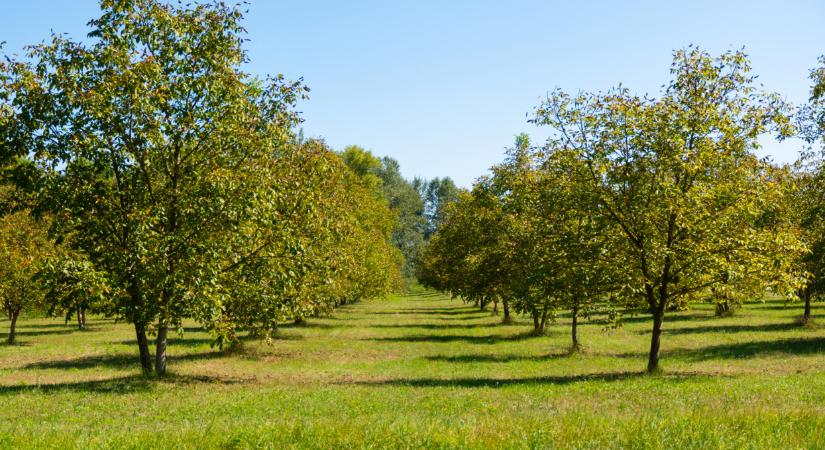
{"points": [[444, 86]]}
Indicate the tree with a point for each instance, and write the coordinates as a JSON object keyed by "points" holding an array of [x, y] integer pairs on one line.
{"points": [[154, 138], [437, 194], [72, 286], [365, 165], [404, 201], [485, 249], [384, 175], [578, 245], [335, 246], [527, 264], [808, 202], [461, 257], [24, 246], [677, 177]]}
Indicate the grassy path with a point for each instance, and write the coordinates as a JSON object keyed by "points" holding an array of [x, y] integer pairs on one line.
{"points": [[424, 371]]}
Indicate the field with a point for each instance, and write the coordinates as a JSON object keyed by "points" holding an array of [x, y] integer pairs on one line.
{"points": [[425, 371]]}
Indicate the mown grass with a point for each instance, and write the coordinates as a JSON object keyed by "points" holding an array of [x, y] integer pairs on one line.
{"points": [[425, 371]]}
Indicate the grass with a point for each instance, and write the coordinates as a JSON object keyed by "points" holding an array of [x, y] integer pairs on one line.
{"points": [[425, 371]]}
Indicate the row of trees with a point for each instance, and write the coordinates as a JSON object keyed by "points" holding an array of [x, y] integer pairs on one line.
{"points": [[148, 178], [639, 203]]}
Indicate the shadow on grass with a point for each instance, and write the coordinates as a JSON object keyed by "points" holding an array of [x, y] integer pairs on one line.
{"points": [[732, 328], [23, 332], [23, 325], [488, 339], [487, 358], [451, 312], [674, 317], [491, 358], [740, 350], [208, 341], [120, 385], [426, 294], [118, 361], [503, 382], [309, 323], [438, 326], [17, 343]]}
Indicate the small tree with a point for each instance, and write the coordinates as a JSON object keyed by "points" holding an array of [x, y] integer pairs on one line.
{"points": [[24, 247], [73, 287], [578, 242]]}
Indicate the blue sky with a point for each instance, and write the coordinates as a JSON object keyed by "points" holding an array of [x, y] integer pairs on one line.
{"points": [[444, 86]]}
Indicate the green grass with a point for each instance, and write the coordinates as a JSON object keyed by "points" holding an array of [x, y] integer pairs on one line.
{"points": [[425, 371]]}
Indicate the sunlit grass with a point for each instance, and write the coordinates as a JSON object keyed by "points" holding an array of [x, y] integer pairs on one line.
{"points": [[425, 371]]}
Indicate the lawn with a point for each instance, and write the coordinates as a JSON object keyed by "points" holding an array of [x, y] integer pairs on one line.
{"points": [[425, 371]]}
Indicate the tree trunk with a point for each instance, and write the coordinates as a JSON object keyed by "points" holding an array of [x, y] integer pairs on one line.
{"points": [[535, 321], [573, 329], [655, 340], [722, 308], [81, 319], [806, 317], [300, 320], [160, 350], [143, 346], [12, 325], [506, 307], [543, 324], [495, 307]]}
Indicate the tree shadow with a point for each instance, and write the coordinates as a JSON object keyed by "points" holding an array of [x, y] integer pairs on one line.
{"points": [[120, 385], [733, 328], [436, 326], [38, 326], [118, 361], [683, 317], [452, 312], [313, 324], [488, 358], [486, 339], [16, 343], [505, 358], [480, 382], [175, 341], [741, 350], [24, 332], [427, 294]]}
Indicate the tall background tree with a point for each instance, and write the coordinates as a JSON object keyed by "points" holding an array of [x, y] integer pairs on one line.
{"points": [[437, 194], [404, 200]]}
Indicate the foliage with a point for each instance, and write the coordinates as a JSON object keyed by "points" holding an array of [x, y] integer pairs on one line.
{"points": [[333, 248], [807, 202], [384, 175], [73, 287], [678, 177], [24, 246], [436, 194], [153, 138]]}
